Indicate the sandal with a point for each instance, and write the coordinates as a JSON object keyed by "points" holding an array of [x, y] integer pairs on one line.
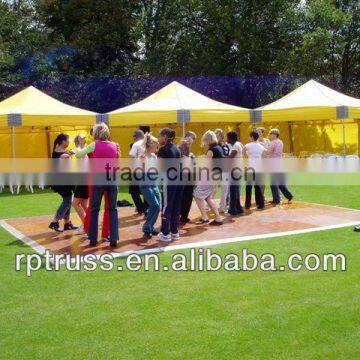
{"points": [[202, 221], [216, 223]]}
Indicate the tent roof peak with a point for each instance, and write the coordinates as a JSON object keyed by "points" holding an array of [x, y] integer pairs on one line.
{"points": [[312, 94], [176, 96], [32, 101]]}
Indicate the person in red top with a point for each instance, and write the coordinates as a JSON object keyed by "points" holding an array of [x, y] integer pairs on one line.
{"points": [[102, 148], [105, 231]]}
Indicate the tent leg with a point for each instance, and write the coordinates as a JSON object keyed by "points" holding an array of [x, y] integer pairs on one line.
{"points": [[344, 138], [239, 130], [48, 141], [358, 124], [13, 141], [183, 129], [291, 138]]}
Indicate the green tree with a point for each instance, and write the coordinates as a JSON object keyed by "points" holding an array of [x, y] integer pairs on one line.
{"points": [[329, 46], [98, 34]]}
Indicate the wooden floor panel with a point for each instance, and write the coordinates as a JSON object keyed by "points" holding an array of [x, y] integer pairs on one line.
{"points": [[287, 217]]}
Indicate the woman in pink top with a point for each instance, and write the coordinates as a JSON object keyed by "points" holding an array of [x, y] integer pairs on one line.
{"points": [[102, 148], [275, 151]]}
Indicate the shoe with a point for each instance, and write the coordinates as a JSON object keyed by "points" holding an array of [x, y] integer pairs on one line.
{"points": [[290, 199], [113, 244], [123, 203], [175, 237], [260, 207], [164, 238], [357, 228], [146, 236], [275, 202], [184, 221], [54, 225], [155, 233], [235, 213], [93, 243], [70, 226], [202, 221], [216, 223]]}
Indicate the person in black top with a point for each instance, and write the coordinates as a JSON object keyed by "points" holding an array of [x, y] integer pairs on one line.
{"points": [[206, 192], [188, 188], [220, 135], [172, 193], [63, 212]]}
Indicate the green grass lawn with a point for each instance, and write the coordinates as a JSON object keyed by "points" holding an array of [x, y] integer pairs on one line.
{"points": [[256, 315]]}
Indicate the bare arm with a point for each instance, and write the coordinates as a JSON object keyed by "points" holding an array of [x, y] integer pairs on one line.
{"points": [[87, 150], [244, 151], [232, 154], [209, 154]]}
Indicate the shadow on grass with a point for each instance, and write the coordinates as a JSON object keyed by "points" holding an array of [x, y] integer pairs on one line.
{"points": [[17, 243]]}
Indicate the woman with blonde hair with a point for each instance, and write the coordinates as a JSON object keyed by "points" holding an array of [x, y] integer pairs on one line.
{"points": [[149, 188], [81, 193], [225, 187], [188, 190], [204, 193], [102, 148]]}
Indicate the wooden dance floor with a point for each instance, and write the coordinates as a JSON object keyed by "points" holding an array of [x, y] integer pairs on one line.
{"points": [[285, 219]]}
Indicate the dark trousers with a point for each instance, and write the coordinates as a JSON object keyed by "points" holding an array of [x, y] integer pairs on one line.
{"points": [[98, 191], [186, 201], [235, 207], [278, 184], [140, 204], [259, 196], [172, 195]]}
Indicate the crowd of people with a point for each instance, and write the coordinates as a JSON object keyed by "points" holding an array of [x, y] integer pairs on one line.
{"points": [[173, 200]]}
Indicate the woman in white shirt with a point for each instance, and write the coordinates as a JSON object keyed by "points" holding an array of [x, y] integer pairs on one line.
{"points": [[254, 151], [236, 149]]}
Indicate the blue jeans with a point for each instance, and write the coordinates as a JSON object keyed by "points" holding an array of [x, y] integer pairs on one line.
{"points": [[63, 212], [152, 197], [98, 191], [171, 210]]}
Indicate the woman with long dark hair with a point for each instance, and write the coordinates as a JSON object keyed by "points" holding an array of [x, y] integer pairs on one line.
{"points": [[65, 191]]}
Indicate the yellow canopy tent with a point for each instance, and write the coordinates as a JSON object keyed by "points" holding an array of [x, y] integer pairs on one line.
{"points": [[177, 104], [311, 101], [33, 108]]}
